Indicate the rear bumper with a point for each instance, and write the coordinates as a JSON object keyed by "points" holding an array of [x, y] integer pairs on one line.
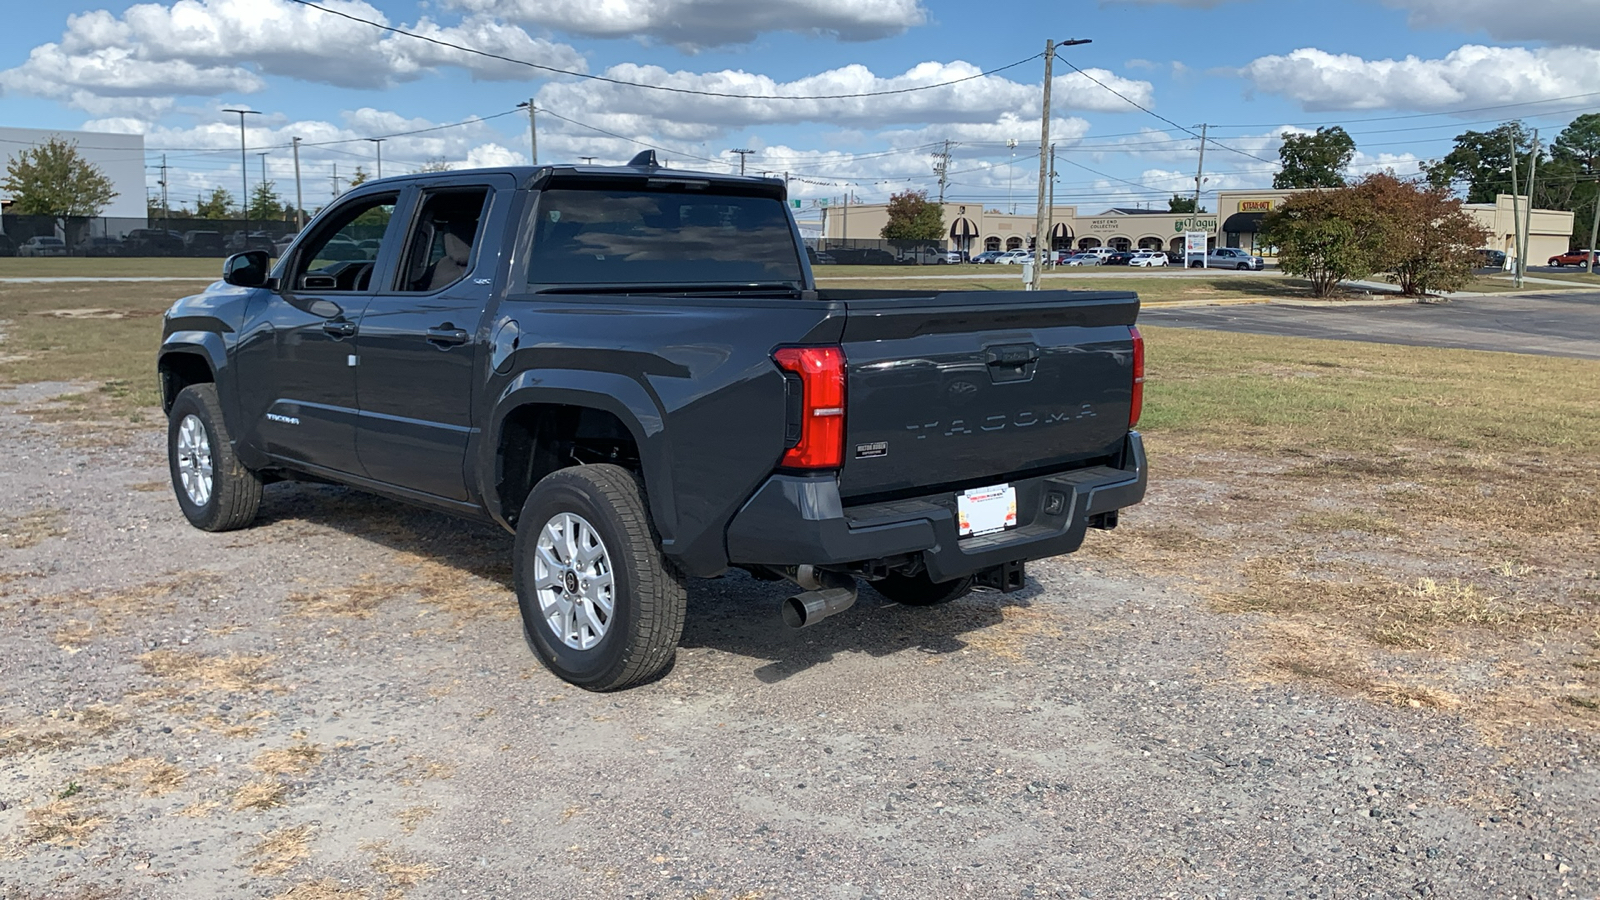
{"points": [[800, 520]]}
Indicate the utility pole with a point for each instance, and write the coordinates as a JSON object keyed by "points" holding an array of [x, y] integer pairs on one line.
{"points": [[378, 142], [1594, 230], [336, 179], [533, 132], [244, 165], [942, 169], [1199, 173], [844, 217], [742, 155], [1050, 219], [299, 202], [1527, 211], [1516, 219], [1011, 178], [1044, 165], [166, 211], [1044, 162]]}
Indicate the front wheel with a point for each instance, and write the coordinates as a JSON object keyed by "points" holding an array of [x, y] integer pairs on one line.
{"points": [[215, 490], [920, 590], [601, 606]]}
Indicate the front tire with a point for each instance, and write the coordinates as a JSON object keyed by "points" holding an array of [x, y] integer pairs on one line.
{"points": [[214, 489], [601, 606], [920, 590]]}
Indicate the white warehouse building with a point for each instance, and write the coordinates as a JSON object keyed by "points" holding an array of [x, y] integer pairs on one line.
{"points": [[119, 156]]}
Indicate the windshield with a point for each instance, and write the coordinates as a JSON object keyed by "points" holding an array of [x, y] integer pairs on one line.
{"points": [[630, 237]]}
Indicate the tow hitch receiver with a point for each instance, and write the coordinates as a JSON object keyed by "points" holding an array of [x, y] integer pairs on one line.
{"points": [[1005, 578]]}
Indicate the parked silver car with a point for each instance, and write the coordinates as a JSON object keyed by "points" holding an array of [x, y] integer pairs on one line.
{"points": [[42, 246], [1230, 258], [1084, 259]]}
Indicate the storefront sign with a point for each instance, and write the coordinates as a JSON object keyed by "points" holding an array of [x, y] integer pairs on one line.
{"points": [[1255, 206], [1104, 224], [1194, 223]]}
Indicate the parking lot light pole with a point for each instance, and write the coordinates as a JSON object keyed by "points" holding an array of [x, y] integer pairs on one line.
{"points": [[299, 201], [244, 167], [378, 142]]}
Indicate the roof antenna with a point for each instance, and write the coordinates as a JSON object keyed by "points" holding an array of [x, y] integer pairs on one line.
{"points": [[644, 160]]}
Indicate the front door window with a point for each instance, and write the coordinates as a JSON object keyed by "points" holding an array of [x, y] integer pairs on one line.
{"points": [[341, 254]]}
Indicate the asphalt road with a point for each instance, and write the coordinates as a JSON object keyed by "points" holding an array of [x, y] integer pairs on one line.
{"points": [[1556, 324]]}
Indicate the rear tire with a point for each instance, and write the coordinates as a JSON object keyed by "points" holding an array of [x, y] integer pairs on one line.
{"points": [[920, 590], [214, 489], [585, 541]]}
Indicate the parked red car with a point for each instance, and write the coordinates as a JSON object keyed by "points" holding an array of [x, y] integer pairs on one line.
{"points": [[1574, 258]]}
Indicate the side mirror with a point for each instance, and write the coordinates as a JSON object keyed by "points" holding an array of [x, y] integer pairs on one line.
{"points": [[247, 269]]}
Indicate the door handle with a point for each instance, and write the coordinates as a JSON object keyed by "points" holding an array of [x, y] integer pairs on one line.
{"points": [[340, 328], [447, 335]]}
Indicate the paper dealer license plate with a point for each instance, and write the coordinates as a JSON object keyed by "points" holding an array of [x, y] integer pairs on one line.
{"points": [[987, 510]]}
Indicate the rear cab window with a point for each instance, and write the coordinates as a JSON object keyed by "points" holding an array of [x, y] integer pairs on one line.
{"points": [[661, 239]]}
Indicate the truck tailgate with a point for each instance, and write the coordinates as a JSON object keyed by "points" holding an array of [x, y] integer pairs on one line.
{"points": [[969, 388]]}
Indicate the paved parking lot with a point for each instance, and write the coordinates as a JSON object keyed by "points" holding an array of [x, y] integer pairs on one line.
{"points": [[1556, 324]]}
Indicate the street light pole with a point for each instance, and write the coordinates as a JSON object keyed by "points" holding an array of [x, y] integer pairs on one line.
{"points": [[378, 142], [299, 201], [742, 155], [244, 167]]}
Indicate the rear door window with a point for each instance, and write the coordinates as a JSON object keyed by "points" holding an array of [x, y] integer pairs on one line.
{"points": [[618, 237]]}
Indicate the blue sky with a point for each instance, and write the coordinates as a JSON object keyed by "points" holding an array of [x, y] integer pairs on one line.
{"points": [[1398, 74]]}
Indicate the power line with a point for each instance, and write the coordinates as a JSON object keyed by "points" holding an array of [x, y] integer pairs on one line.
{"points": [[1152, 112], [654, 87]]}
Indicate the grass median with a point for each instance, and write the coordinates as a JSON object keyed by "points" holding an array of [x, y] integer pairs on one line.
{"points": [[111, 267], [1417, 525]]}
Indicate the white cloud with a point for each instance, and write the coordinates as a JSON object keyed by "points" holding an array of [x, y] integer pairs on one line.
{"points": [[693, 24], [214, 47], [1472, 75], [692, 117], [1562, 22]]}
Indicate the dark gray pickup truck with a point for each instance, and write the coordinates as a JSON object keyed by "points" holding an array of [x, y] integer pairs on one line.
{"points": [[632, 369]]}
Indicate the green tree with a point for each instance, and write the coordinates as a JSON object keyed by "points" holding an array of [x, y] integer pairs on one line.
{"points": [[264, 203], [1179, 204], [913, 218], [360, 177], [217, 206], [1482, 160], [51, 179], [1314, 160], [435, 164], [1426, 242], [1578, 146], [1325, 235]]}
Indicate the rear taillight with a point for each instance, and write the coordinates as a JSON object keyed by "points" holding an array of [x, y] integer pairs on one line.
{"points": [[815, 436], [1138, 376]]}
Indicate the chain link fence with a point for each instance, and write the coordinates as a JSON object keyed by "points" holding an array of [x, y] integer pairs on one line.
{"points": [[154, 236]]}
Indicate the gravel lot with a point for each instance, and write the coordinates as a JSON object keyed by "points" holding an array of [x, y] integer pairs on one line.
{"points": [[338, 703]]}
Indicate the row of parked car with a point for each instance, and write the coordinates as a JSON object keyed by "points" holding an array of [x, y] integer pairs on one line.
{"points": [[152, 242], [1219, 258]]}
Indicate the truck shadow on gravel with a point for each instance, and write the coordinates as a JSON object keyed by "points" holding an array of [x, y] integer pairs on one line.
{"points": [[735, 614]]}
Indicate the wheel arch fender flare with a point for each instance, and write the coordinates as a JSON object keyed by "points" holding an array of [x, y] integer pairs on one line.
{"points": [[206, 346], [634, 405]]}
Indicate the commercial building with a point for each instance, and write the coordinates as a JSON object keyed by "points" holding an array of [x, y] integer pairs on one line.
{"points": [[971, 227], [1236, 223], [1240, 214], [119, 156]]}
